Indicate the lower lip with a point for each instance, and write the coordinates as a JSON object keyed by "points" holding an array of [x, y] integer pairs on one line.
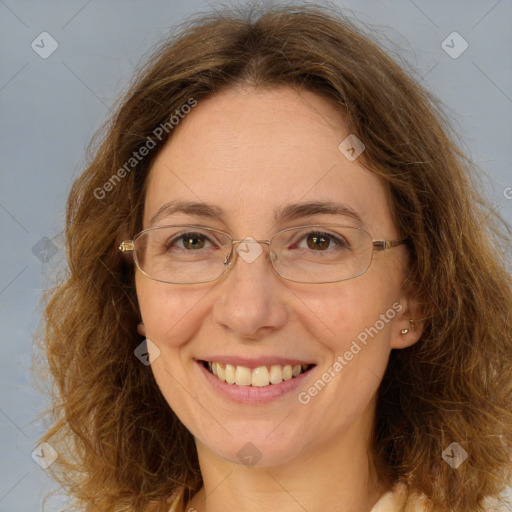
{"points": [[253, 394]]}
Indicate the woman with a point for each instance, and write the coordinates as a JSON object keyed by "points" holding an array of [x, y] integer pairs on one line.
{"points": [[285, 292]]}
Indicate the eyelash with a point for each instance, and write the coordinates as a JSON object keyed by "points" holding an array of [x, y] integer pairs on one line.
{"points": [[340, 242]]}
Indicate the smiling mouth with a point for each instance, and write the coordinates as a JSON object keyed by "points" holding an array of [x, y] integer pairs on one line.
{"points": [[258, 377]]}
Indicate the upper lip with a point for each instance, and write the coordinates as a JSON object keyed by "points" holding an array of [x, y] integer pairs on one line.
{"points": [[255, 362]]}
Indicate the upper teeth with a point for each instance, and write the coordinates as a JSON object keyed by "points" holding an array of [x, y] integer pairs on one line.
{"points": [[260, 376]]}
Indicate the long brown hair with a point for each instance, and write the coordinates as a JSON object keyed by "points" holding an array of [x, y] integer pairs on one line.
{"points": [[120, 445]]}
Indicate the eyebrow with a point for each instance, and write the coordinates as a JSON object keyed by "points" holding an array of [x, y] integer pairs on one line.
{"points": [[285, 213]]}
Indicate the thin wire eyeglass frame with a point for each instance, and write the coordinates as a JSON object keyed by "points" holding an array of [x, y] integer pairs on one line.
{"points": [[128, 246]]}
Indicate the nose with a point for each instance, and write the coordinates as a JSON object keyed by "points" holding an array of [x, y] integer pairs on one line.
{"points": [[252, 300]]}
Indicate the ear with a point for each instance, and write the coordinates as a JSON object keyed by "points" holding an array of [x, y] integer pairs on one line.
{"points": [[141, 329], [408, 324]]}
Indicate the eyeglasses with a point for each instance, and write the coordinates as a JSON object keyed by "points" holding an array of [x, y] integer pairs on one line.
{"points": [[318, 253]]}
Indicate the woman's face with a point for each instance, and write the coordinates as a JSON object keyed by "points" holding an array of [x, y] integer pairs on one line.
{"points": [[252, 153]]}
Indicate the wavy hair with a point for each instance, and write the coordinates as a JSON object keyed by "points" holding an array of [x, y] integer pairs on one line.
{"points": [[121, 448]]}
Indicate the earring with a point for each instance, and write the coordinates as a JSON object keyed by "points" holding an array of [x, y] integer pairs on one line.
{"points": [[405, 331]]}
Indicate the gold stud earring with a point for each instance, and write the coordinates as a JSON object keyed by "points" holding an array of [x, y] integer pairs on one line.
{"points": [[405, 331]]}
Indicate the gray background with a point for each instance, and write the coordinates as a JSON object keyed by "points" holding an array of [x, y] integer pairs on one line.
{"points": [[49, 109]]}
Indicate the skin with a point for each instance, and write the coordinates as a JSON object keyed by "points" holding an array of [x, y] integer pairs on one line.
{"points": [[251, 151]]}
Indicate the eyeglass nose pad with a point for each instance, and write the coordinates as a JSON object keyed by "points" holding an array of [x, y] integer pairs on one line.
{"points": [[228, 260]]}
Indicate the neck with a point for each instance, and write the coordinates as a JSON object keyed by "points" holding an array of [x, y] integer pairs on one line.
{"points": [[334, 474]]}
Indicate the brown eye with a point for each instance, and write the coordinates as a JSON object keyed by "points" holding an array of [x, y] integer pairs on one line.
{"points": [[195, 242], [190, 241], [318, 242]]}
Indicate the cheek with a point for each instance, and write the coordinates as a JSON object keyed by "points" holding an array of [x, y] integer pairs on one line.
{"points": [[167, 313], [361, 310], [353, 322], [359, 343], [164, 309]]}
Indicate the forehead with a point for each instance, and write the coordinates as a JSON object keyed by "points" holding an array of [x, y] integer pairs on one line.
{"points": [[252, 152]]}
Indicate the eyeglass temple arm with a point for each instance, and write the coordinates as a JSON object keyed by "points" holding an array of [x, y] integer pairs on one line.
{"points": [[384, 245]]}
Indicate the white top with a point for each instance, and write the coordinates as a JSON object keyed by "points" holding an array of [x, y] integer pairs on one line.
{"points": [[393, 500]]}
